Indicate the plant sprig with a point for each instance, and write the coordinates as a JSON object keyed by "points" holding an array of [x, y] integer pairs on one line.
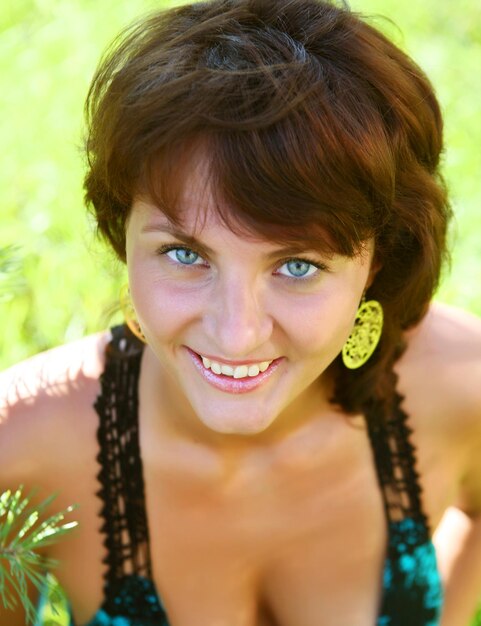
{"points": [[22, 533]]}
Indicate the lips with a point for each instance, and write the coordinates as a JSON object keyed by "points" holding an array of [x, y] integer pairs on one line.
{"points": [[229, 384]]}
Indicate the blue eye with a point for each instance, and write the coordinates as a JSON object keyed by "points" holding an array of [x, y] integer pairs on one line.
{"points": [[299, 268], [185, 256]]}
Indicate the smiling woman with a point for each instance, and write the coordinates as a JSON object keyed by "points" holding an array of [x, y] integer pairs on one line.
{"points": [[259, 445]]}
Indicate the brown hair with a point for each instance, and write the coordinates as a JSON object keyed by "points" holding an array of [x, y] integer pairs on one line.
{"points": [[315, 124]]}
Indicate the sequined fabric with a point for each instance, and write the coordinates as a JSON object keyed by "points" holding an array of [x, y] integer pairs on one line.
{"points": [[411, 582], [133, 602]]}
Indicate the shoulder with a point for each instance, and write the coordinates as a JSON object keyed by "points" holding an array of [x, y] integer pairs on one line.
{"points": [[442, 364], [447, 330], [445, 338], [440, 379], [46, 407]]}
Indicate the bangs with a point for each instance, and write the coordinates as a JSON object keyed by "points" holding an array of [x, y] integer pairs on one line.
{"points": [[263, 187]]}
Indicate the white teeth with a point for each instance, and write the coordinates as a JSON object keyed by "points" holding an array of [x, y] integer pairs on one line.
{"points": [[253, 370], [241, 371], [216, 368], [227, 370]]}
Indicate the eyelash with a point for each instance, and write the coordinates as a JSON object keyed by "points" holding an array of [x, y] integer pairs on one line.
{"points": [[320, 266]]}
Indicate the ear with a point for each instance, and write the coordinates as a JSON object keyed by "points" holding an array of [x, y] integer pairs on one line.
{"points": [[374, 269]]}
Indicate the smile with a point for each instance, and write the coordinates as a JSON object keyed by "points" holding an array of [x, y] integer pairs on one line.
{"points": [[234, 379], [240, 371]]}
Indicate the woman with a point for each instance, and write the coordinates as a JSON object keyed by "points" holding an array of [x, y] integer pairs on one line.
{"points": [[285, 419]]}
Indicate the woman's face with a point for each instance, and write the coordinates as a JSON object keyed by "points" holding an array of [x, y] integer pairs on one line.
{"points": [[267, 321]]}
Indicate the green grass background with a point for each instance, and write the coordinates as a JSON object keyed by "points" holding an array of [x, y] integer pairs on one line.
{"points": [[57, 282]]}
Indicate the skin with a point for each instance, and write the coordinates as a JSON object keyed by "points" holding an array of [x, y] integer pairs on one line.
{"points": [[264, 508]]}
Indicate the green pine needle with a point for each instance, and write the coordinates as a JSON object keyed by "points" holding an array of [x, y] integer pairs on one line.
{"points": [[22, 531]]}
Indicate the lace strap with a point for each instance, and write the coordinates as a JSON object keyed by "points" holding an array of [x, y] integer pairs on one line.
{"points": [[395, 458], [120, 476]]}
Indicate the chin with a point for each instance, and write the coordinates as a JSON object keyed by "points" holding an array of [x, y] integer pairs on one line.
{"points": [[237, 424]]}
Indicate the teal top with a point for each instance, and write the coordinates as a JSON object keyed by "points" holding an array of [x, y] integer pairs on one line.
{"points": [[412, 589]]}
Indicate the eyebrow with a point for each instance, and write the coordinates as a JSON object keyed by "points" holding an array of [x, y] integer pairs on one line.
{"points": [[192, 241]]}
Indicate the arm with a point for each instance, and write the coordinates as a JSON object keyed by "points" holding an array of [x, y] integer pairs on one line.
{"points": [[458, 545], [20, 464], [46, 417], [11, 476], [458, 536]]}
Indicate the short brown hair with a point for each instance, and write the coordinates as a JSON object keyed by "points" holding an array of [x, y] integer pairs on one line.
{"points": [[315, 123]]}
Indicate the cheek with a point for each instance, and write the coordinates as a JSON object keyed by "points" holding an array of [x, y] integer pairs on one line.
{"points": [[323, 323], [161, 305]]}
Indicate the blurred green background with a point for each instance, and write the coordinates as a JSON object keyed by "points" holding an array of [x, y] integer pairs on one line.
{"points": [[57, 282]]}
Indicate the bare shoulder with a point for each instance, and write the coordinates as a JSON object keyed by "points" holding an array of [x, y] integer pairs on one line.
{"points": [[46, 407], [442, 364], [448, 330]]}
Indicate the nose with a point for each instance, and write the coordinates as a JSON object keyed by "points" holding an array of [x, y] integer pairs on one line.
{"points": [[237, 321]]}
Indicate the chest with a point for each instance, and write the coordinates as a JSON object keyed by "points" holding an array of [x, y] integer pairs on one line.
{"points": [[268, 546], [304, 557]]}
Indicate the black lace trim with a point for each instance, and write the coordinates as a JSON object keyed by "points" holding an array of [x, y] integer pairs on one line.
{"points": [[120, 476], [396, 463]]}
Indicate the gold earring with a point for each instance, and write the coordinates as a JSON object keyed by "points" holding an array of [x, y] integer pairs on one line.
{"points": [[129, 313], [365, 335]]}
